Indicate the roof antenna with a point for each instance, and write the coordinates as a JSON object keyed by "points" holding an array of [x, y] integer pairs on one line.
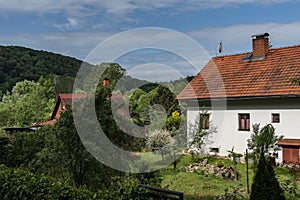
{"points": [[220, 47]]}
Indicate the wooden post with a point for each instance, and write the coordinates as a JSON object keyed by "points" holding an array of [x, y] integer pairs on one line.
{"points": [[247, 171]]}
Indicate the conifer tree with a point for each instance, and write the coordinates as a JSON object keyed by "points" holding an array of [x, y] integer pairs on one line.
{"points": [[265, 185]]}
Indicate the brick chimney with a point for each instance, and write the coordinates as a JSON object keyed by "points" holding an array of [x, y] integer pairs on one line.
{"points": [[260, 45], [105, 82]]}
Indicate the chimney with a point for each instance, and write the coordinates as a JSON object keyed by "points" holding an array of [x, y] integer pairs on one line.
{"points": [[260, 45], [105, 82]]}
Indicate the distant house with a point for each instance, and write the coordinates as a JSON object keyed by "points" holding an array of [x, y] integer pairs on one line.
{"points": [[65, 100], [61, 104], [62, 101], [247, 88]]}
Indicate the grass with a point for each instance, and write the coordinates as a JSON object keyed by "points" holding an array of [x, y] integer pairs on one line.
{"points": [[198, 185]]}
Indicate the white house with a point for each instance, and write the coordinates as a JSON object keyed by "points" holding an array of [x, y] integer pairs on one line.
{"points": [[247, 88]]}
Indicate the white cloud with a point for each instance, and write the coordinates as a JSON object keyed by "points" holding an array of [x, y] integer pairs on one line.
{"points": [[71, 24], [236, 39], [75, 44], [110, 14], [118, 7]]}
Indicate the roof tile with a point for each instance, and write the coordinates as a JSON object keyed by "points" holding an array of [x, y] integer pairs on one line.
{"points": [[227, 76]]}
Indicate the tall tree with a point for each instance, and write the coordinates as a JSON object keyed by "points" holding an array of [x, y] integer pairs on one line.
{"points": [[166, 98], [265, 185], [262, 141], [29, 102]]}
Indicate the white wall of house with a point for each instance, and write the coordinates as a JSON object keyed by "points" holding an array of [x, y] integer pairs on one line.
{"points": [[226, 121]]}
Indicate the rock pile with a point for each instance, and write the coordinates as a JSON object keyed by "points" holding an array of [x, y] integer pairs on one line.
{"points": [[291, 165], [225, 172]]}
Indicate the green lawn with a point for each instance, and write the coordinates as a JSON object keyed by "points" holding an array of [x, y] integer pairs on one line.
{"points": [[198, 185]]}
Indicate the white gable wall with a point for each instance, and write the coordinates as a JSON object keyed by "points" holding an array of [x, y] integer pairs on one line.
{"points": [[226, 120]]}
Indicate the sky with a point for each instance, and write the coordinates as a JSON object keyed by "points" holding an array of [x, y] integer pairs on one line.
{"points": [[78, 28]]}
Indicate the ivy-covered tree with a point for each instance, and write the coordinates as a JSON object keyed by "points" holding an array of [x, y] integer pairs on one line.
{"points": [[109, 126]]}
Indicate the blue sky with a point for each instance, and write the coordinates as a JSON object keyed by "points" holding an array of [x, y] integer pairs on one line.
{"points": [[76, 27]]}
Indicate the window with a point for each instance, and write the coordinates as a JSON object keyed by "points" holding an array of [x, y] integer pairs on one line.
{"points": [[275, 118], [204, 121], [244, 122]]}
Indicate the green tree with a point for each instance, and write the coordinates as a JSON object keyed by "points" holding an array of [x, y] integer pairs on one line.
{"points": [[265, 185], [159, 141], [199, 134], [75, 156], [29, 102], [109, 125], [113, 72], [19, 64], [175, 123], [133, 106], [20, 149], [166, 98], [65, 158], [263, 141]]}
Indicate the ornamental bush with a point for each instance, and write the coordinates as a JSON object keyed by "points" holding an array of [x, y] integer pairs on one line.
{"points": [[265, 185]]}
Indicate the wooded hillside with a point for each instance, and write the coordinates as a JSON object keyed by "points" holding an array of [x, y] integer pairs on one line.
{"points": [[20, 63]]}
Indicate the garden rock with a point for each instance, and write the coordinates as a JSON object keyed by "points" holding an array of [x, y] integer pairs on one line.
{"points": [[225, 172]]}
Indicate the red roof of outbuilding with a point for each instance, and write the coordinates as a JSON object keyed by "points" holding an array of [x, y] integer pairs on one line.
{"points": [[261, 78], [66, 99], [289, 142]]}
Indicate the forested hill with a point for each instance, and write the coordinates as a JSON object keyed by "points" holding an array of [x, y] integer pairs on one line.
{"points": [[19, 63]]}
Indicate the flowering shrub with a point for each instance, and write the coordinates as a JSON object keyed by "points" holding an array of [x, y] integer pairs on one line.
{"points": [[159, 141]]}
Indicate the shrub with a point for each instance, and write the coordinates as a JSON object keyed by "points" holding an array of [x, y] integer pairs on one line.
{"points": [[157, 140], [265, 185], [18, 184]]}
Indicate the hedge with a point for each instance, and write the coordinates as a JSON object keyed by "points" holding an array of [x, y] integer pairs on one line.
{"points": [[18, 184]]}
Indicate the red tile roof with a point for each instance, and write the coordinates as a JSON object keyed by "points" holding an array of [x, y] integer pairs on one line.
{"points": [[237, 79], [64, 100], [67, 98], [289, 142]]}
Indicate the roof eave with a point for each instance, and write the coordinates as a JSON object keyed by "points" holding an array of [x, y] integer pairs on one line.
{"points": [[240, 98]]}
